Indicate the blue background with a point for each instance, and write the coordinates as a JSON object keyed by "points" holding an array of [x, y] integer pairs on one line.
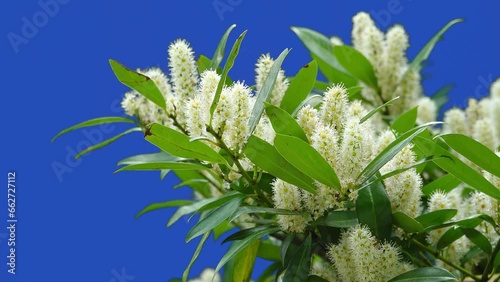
{"points": [[79, 226]]}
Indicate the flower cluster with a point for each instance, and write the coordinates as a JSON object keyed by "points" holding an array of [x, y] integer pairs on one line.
{"points": [[480, 120], [386, 52], [359, 256]]}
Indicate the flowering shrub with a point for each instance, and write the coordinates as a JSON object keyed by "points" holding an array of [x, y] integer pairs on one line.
{"points": [[345, 180]]}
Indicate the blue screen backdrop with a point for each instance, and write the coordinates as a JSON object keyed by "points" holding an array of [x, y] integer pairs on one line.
{"points": [[76, 218]]}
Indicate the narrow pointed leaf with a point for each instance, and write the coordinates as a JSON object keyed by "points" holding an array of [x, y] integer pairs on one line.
{"points": [[239, 245], [440, 98], [405, 222], [377, 109], [405, 121], [306, 159], [425, 274], [450, 236], [229, 64], [339, 219], [148, 158], [436, 217], [203, 63], [425, 52], [299, 267], [356, 64], [178, 144], [214, 218], [244, 262], [265, 156], [93, 122], [389, 152], [457, 168], [163, 165], [283, 122], [374, 210], [258, 209], [265, 91], [195, 256], [163, 205], [139, 82], [474, 152], [221, 49], [300, 86], [321, 50], [107, 142], [445, 183], [202, 205], [312, 100], [478, 239]]}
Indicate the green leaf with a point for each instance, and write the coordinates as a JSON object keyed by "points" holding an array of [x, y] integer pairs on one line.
{"points": [[354, 93], [203, 63], [457, 168], [244, 262], [214, 218], [163, 205], [306, 159], [163, 165], [321, 86], [478, 239], [178, 144], [229, 64], [286, 249], [139, 82], [300, 86], [299, 267], [221, 49], [374, 210], [472, 253], [424, 54], [405, 121], [339, 219], [377, 109], [425, 274], [269, 251], [322, 52], [195, 256], [202, 205], [312, 100], [450, 236], [265, 91], [265, 156], [107, 142], [315, 278], [239, 245], [200, 187], [407, 223], [268, 274], [440, 98], [189, 182], [356, 64], [389, 152], [93, 122], [259, 209], [148, 158], [436, 217], [283, 122], [445, 183], [244, 233], [221, 229], [474, 152]]}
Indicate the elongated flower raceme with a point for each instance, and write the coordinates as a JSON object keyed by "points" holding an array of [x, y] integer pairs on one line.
{"points": [[387, 54], [359, 256], [263, 67]]}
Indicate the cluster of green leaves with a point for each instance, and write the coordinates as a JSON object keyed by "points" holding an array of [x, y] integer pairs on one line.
{"points": [[292, 159]]}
